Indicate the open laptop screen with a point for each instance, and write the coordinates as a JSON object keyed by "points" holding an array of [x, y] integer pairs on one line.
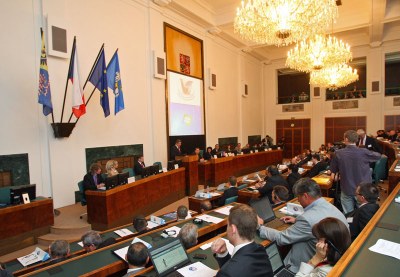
{"points": [[274, 257], [169, 257], [263, 209]]}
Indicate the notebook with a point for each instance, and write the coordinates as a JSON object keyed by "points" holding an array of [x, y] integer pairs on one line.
{"points": [[276, 261], [169, 257], [265, 212]]}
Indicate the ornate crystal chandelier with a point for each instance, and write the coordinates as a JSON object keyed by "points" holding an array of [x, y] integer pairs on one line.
{"points": [[318, 52], [281, 22], [334, 77]]}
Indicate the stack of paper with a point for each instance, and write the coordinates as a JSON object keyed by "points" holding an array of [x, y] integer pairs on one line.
{"points": [[123, 232], [387, 248], [224, 210], [36, 256], [211, 219], [197, 269]]}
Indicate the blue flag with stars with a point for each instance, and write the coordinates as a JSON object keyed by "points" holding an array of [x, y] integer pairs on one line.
{"points": [[99, 80], [115, 83], [44, 95]]}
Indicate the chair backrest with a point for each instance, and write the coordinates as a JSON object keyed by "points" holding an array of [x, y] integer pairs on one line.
{"points": [[230, 200], [242, 186], [159, 165], [379, 172], [130, 170], [201, 152], [83, 197]]}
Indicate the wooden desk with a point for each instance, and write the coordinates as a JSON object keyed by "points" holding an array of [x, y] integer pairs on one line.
{"points": [[358, 259], [218, 170], [324, 182], [394, 176], [115, 207], [22, 224]]}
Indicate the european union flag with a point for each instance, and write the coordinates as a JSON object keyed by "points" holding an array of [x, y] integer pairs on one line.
{"points": [[44, 96], [115, 83], [99, 80]]}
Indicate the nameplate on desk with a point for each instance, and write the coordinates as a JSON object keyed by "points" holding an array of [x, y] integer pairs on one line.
{"points": [[215, 156], [157, 220], [176, 166], [255, 151], [164, 169], [131, 179]]}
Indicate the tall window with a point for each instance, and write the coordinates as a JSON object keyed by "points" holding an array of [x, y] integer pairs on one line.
{"points": [[392, 74]]}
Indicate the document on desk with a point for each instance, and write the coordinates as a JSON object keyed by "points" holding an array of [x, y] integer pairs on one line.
{"points": [[123, 232], [174, 228], [214, 194], [228, 245], [210, 218], [197, 269], [387, 248], [36, 256], [224, 210], [122, 251]]}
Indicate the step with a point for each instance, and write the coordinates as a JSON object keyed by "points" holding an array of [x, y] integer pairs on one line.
{"points": [[78, 230], [46, 240]]}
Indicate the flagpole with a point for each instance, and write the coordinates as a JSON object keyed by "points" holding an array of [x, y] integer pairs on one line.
{"points": [[87, 79], [69, 69]]}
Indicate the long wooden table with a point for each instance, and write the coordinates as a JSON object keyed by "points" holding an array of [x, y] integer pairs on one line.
{"points": [[358, 259], [218, 170], [22, 224], [115, 207]]}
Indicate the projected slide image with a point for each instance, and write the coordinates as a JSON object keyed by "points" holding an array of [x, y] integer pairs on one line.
{"points": [[185, 119]]}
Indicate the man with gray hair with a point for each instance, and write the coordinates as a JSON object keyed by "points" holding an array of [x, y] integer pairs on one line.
{"points": [[59, 251], [299, 235], [352, 163], [188, 235], [182, 213], [92, 240], [365, 141]]}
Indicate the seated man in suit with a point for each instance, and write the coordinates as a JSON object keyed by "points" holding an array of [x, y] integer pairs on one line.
{"points": [[367, 142], [92, 240], [248, 258], [58, 251], [280, 195], [306, 157], [176, 149], [367, 194], [318, 166], [216, 151], [182, 213], [140, 224], [137, 257], [139, 165], [273, 179], [93, 179], [199, 156], [188, 235], [292, 178], [299, 235], [229, 192]]}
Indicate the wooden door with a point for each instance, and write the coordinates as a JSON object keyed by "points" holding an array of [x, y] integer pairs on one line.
{"points": [[296, 133]]}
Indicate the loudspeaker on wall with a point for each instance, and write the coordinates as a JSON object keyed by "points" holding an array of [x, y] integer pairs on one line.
{"points": [[212, 79], [159, 65], [57, 38]]}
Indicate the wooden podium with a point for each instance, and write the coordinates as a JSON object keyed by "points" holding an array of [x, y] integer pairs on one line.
{"points": [[191, 172]]}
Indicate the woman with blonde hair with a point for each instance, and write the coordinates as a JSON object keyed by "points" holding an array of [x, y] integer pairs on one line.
{"points": [[111, 167]]}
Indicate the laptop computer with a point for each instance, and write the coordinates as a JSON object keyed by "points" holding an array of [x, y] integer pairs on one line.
{"points": [[276, 261], [265, 212], [169, 257]]}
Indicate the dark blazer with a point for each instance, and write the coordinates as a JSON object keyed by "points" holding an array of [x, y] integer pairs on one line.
{"points": [[305, 160], [361, 217], [107, 242], [291, 179], [175, 152], [316, 169], [250, 260], [216, 152], [207, 156], [271, 182], [371, 144], [231, 192], [138, 168], [88, 182]]}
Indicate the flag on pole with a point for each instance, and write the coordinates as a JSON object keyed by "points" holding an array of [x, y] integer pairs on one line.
{"points": [[99, 80], [78, 100], [44, 95], [115, 83]]}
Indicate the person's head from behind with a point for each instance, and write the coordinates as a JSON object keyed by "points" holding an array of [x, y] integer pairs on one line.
{"points": [[350, 137], [335, 234], [280, 194], [140, 223], [205, 206], [182, 212], [137, 255], [188, 235], [95, 169], [367, 193], [307, 191], [91, 240], [59, 249], [242, 224], [232, 181], [272, 170]]}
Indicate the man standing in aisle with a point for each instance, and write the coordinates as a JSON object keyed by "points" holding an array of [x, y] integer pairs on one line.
{"points": [[352, 163]]}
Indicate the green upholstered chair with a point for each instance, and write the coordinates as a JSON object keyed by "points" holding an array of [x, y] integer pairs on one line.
{"points": [[243, 186], [130, 170], [159, 165], [379, 172], [230, 200]]}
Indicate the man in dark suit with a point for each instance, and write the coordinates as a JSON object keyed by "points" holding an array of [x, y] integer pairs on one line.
{"points": [[216, 151], [93, 179], [176, 149], [318, 166], [292, 178], [273, 179], [137, 258], [230, 192], [248, 258], [367, 142], [139, 165], [367, 195], [92, 240]]}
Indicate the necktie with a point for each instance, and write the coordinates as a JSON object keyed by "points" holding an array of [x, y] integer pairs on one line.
{"points": [[95, 179]]}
